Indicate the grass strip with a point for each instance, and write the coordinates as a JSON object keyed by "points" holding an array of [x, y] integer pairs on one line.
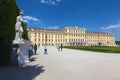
{"points": [[96, 48]]}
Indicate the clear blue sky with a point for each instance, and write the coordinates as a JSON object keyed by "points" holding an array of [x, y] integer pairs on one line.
{"points": [[94, 15]]}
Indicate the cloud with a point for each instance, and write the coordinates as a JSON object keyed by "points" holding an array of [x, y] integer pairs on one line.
{"points": [[115, 26], [50, 2], [30, 18], [53, 27], [113, 29], [118, 21], [26, 21]]}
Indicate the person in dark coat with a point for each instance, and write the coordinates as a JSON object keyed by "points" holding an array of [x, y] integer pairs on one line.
{"points": [[35, 48], [61, 47], [45, 50]]}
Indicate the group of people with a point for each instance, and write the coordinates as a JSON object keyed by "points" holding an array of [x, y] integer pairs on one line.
{"points": [[34, 47], [60, 47]]}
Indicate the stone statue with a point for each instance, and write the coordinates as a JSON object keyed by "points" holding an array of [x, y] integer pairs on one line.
{"points": [[18, 27], [20, 52]]}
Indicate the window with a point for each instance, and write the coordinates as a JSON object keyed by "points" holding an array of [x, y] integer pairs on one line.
{"points": [[38, 39], [49, 36], [35, 34], [39, 34], [52, 36], [35, 39], [42, 35]]}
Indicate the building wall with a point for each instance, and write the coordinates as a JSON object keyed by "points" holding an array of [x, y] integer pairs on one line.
{"points": [[70, 36]]}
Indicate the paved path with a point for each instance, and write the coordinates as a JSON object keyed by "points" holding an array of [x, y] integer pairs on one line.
{"points": [[66, 65]]}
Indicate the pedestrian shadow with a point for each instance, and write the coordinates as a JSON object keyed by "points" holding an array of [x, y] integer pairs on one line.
{"points": [[20, 73], [32, 59]]}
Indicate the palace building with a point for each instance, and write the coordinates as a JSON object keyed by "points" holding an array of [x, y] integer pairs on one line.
{"points": [[70, 36]]}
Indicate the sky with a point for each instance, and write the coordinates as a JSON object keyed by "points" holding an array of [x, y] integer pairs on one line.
{"points": [[93, 15]]}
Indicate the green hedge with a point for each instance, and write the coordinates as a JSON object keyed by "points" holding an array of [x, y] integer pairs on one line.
{"points": [[8, 13]]}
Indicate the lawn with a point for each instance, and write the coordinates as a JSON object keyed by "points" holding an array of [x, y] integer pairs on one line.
{"points": [[96, 49]]}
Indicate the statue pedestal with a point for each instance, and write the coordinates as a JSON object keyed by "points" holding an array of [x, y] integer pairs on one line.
{"points": [[19, 41], [20, 52], [14, 55]]}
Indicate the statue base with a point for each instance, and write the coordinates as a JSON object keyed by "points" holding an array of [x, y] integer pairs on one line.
{"points": [[19, 41], [22, 54], [19, 55], [14, 55]]}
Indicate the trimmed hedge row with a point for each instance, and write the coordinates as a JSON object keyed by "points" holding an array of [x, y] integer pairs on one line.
{"points": [[8, 13], [96, 48]]}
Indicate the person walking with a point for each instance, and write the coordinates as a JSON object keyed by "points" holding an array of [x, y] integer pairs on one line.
{"points": [[35, 48], [58, 47], [61, 47], [45, 50]]}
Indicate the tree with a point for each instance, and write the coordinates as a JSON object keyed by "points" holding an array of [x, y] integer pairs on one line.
{"points": [[117, 42], [25, 32], [99, 43]]}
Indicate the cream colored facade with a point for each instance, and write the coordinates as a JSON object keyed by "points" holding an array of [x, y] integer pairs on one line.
{"points": [[70, 36]]}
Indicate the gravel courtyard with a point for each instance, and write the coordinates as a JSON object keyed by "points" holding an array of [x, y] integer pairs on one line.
{"points": [[78, 65]]}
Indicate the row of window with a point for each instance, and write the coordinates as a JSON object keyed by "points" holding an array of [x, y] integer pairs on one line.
{"points": [[78, 40], [49, 35], [75, 31], [70, 40], [49, 40]]}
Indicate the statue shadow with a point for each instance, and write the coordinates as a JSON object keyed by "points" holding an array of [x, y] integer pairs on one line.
{"points": [[21, 73]]}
